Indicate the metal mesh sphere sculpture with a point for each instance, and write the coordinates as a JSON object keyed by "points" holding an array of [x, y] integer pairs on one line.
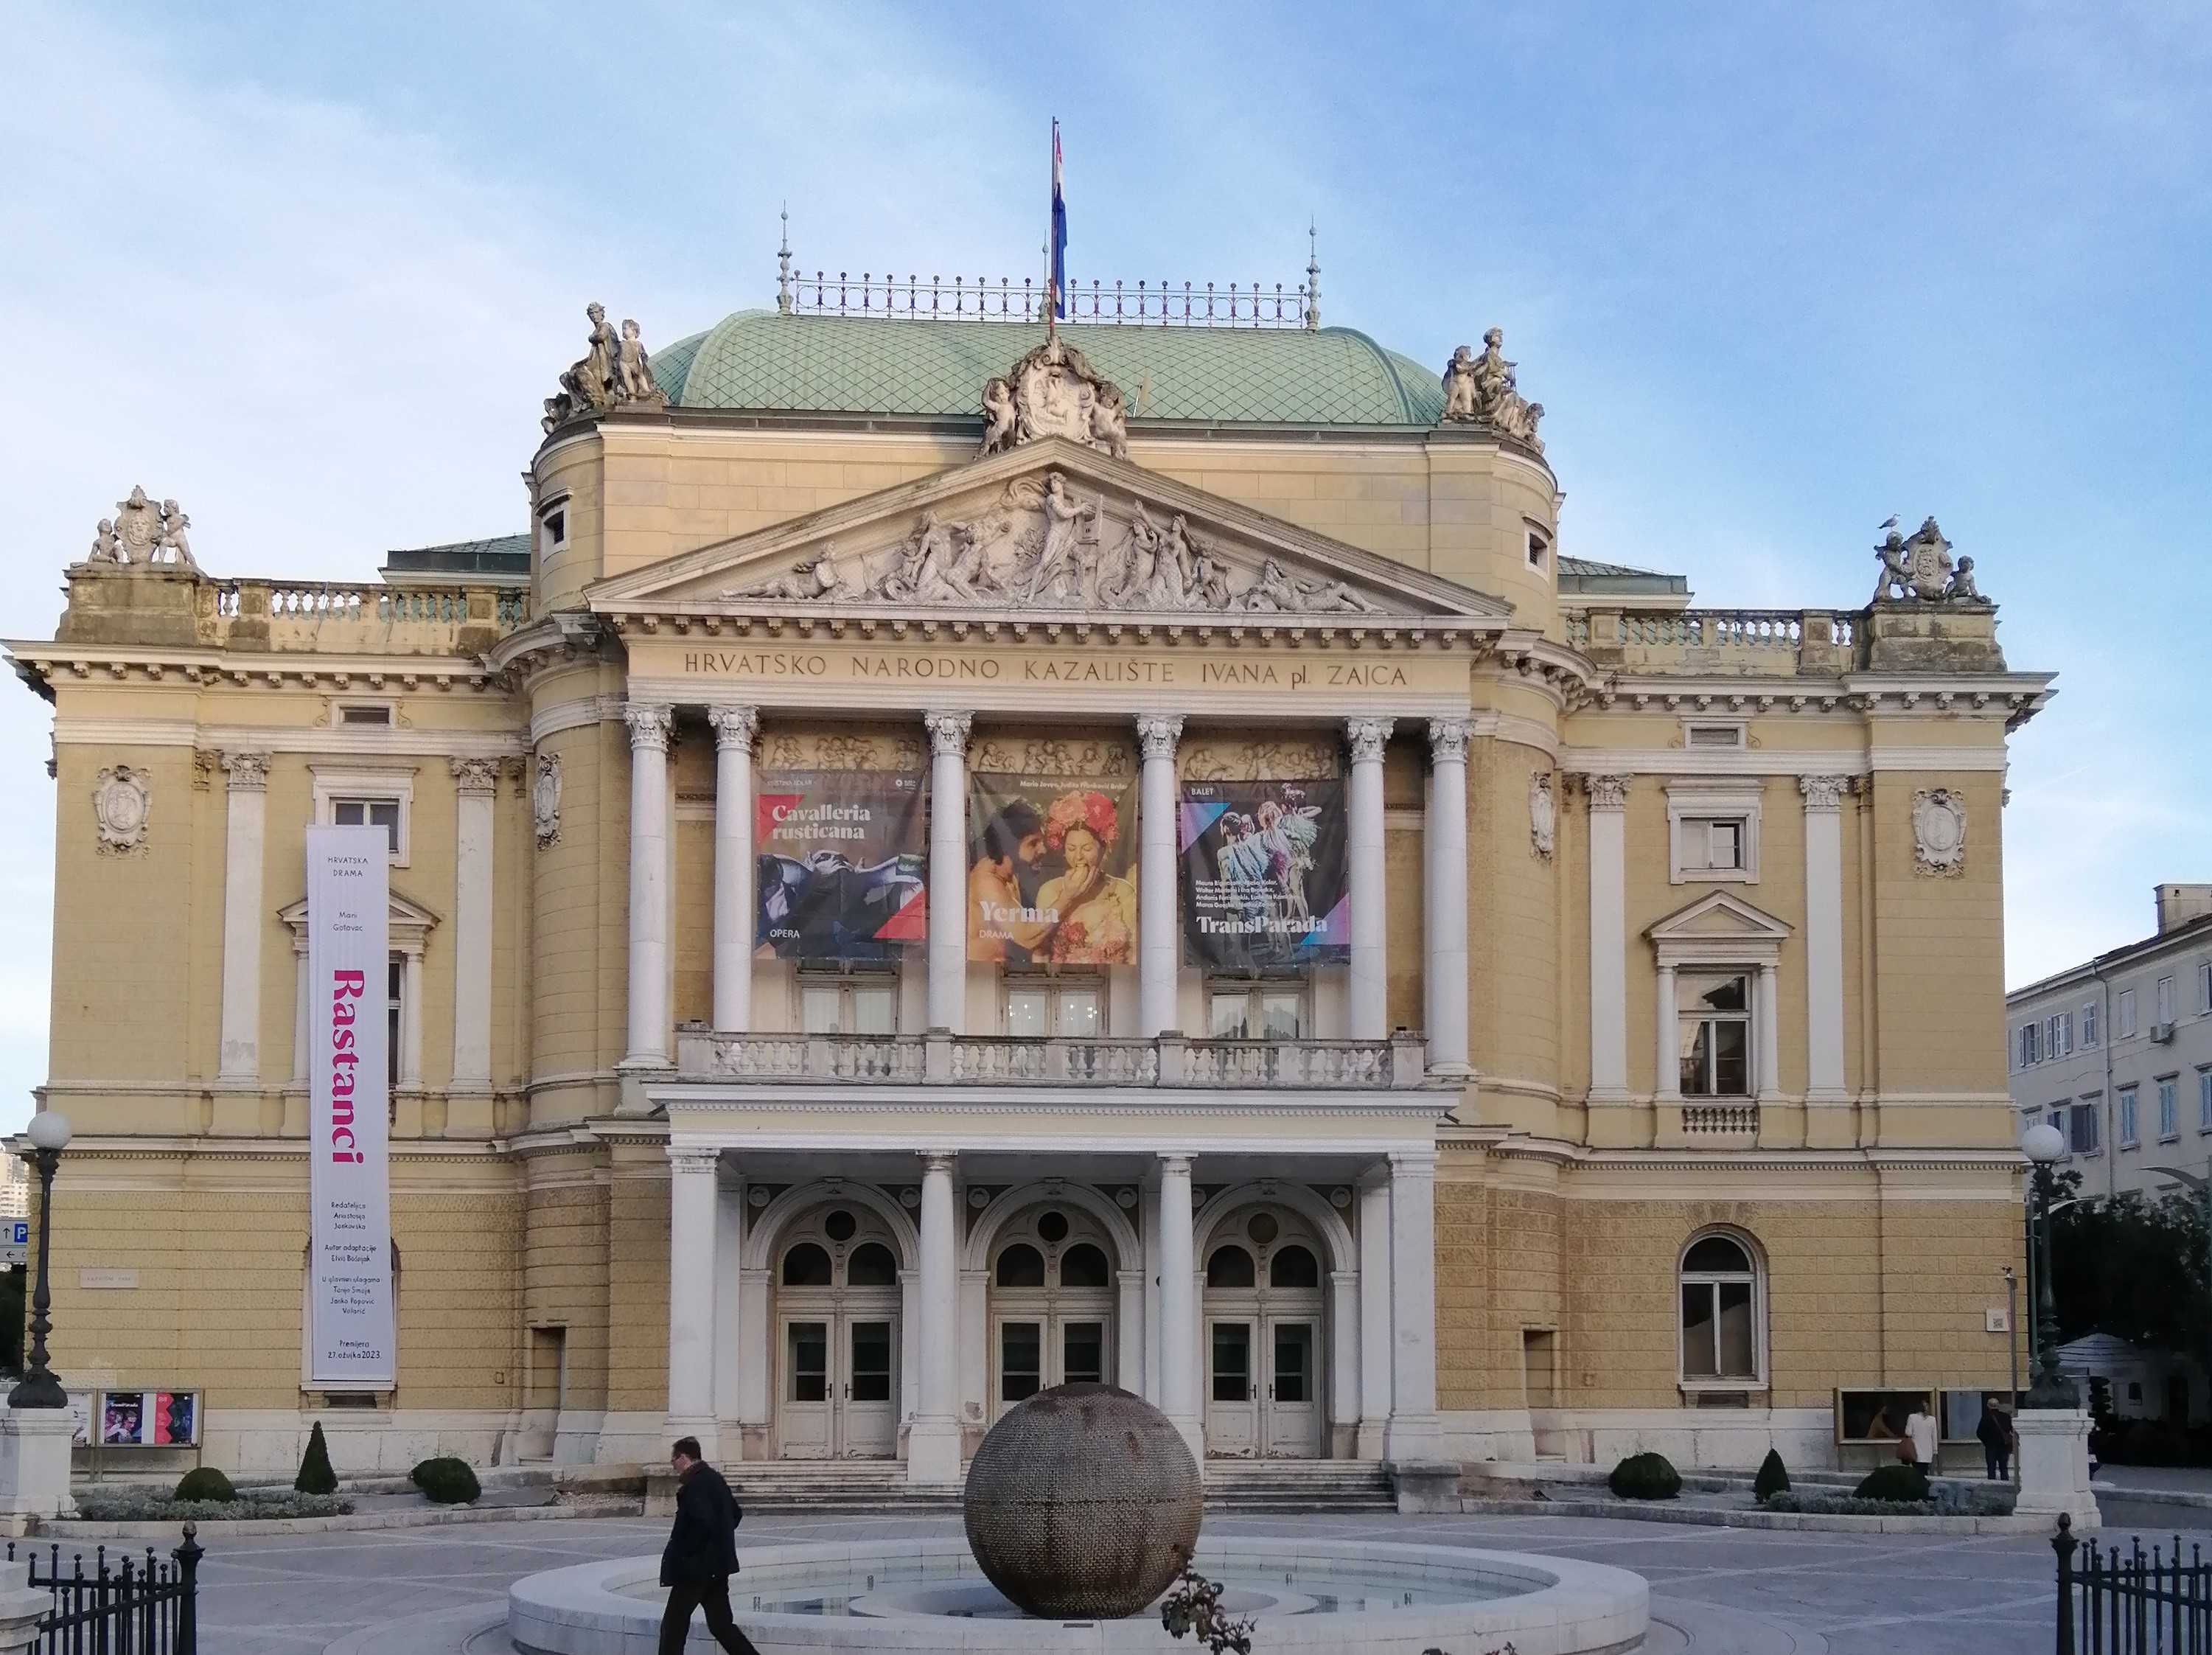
{"points": [[1082, 1503]]}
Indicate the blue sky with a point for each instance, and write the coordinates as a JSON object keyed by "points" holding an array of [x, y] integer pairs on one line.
{"points": [[1776, 272]]}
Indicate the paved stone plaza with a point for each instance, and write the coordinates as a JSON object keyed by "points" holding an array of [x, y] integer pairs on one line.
{"points": [[1730, 1591]]}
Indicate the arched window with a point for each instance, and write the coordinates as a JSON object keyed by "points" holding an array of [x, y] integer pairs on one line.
{"points": [[1021, 1266], [807, 1266], [1083, 1266], [1230, 1266], [872, 1266], [1293, 1267], [1723, 1342]]}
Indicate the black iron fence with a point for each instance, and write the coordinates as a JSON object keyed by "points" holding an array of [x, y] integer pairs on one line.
{"points": [[2112, 1602], [123, 1606]]}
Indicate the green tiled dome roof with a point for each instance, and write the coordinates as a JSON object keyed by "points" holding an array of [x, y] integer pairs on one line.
{"points": [[759, 360]]}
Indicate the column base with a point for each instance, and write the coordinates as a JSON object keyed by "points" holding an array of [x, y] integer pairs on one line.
{"points": [[932, 1453], [708, 1429], [1370, 1440], [34, 1464], [1412, 1438], [1192, 1430], [2054, 1466]]}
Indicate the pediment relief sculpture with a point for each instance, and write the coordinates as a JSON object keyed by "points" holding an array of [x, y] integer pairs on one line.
{"points": [[1041, 543], [1483, 390], [1053, 392]]}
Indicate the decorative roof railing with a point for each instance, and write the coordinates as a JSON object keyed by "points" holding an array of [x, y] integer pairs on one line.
{"points": [[330, 614], [959, 299], [1760, 643]]}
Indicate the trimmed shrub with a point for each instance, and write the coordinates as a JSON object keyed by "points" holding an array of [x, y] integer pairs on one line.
{"points": [[150, 1505], [204, 1483], [1645, 1476], [316, 1476], [1896, 1482], [1949, 1499], [446, 1481], [1773, 1477]]}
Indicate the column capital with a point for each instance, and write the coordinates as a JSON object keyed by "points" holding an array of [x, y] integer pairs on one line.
{"points": [[1824, 792], [1367, 737], [683, 1160], [477, 776], [1157, 733], [948, 732], [1447, 740], [1606, 791], [650, 723], [1412, 1162], [734, 726], [1174, 1163], [946, 1161], [248, 772]]}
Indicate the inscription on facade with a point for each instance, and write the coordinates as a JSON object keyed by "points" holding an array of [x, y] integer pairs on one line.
{"points": [[864, 666]]}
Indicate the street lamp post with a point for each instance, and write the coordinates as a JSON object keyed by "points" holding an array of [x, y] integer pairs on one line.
{"points": [[2043, 1145], [48, 1133]]}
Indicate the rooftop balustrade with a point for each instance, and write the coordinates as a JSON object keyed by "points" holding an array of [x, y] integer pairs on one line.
{"points": [[1741, 642]]}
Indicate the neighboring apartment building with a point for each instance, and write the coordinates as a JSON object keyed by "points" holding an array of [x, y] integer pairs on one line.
{"points": [[2117, 1052]]}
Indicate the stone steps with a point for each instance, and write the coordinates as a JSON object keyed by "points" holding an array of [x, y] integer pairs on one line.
{"points": [[1230, 1486]]}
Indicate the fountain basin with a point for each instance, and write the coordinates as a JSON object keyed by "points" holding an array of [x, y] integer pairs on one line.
{"points": [[929, 1597]]}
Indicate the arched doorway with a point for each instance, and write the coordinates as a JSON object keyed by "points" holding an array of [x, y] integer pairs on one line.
{"points": [[836, 1281], [1052, 1293], [1265, 1387]]}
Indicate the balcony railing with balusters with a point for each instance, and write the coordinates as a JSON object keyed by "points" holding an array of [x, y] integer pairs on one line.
{"points": [[345, 617], [1746, 642], [979, 299], [997, 1061]]}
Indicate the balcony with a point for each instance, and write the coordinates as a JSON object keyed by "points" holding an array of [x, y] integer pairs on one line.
{"points": [[941, 1059]]}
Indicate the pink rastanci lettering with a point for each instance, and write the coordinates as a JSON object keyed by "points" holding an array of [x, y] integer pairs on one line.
{"points": [[346, 987]]}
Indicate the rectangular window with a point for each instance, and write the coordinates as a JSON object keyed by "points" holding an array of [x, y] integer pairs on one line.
{"points": [[1257, 1011], [2165, 997], [848, 1004], [1713, 844], [2031, 1043], [395, 984], [2057, 1121], [2126, 1125], [2169, 1108], [1716, 735], [1538, 550], [2204, 986], [2083, 1139], [2054, 1036], [1714, 1030], [2089, 1025], [554, 525], [1062, 1010], [1717, 1331], [360, 716], [2124, 1015], [368, 813], [2204, 1100]]}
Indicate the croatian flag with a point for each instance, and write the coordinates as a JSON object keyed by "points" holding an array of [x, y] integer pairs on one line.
{"points": [[1059, 233]]}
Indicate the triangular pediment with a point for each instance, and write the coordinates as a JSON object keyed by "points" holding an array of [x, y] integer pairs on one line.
{"points": [[1719, 915], [403, 916], [1051, 531]]}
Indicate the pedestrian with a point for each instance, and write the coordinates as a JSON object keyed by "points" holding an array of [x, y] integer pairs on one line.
{"points": [[1995, 1434], [1920, 1431], [701, 1553]]}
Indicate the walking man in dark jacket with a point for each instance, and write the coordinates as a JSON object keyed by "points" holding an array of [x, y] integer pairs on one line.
{"points": [[701, 1553]]}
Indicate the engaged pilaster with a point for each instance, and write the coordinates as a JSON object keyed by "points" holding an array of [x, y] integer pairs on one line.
{"points": [[476, 787], [650, 725], [1823, 936], [735, 729], [1158, 938], [1414, 1427], [1445, 901], [247, 801], [1370, 1005], [948, 868], [1608, 937]]}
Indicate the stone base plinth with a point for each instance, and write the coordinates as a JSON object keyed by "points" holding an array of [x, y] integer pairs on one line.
{"points": [[34, 1465], [1425, 1486], [2054, 1465]]}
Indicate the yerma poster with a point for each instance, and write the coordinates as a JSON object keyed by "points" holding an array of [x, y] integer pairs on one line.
{"points": [[1050, 873]]}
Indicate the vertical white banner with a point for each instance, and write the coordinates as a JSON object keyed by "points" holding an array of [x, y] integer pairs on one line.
{"points": [[350, 1337]]}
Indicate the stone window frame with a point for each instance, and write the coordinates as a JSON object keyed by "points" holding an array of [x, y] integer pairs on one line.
{"points": [[1052, 982], [551, 527], [1693, 802], [352, 780], [1252, 984], [845, 976], [1760, 1380], [2169, 1105], [408, 926]]}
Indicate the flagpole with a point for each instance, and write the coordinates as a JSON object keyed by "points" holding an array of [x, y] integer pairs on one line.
{"points": [[1051, 203]]}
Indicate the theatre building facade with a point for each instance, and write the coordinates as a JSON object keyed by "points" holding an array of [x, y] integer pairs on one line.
{"points": [[956, 856]]}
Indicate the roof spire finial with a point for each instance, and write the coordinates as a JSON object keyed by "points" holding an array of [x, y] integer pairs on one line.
{"points": [[783, 266], [1313, 277]]}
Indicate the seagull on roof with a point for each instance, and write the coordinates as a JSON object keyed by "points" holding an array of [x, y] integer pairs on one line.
{"points": [[1885, 528]]}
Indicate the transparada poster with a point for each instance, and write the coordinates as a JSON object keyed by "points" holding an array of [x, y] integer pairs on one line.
{"points": [[842, 864], [1265, 873], [1050, 879]]}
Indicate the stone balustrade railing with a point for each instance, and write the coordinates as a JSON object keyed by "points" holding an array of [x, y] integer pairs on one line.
{"points": [[327, 615], [1719, 1119], [993, 1061], [1750, 642]]}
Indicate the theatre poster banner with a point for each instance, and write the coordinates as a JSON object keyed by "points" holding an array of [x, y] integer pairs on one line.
{"points": [[351, 1342], [1266, 879], [1049, 879], [843, 857]]}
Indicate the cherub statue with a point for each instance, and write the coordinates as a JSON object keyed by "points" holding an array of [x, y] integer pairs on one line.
{"points": [[137, 528], [1896, 578], [173, 541], [1459, 385], [1109, 422], [998, 417], [634, 369], [1961, 587], [106, 544]]}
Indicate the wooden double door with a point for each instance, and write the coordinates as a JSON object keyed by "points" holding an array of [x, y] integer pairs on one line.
{"points": [[840, 1379]]}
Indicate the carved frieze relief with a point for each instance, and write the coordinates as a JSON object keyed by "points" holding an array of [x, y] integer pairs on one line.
{"points": [[1268, 759], [120, 801], [1543, 817], [1939, 832], [545, 800]]}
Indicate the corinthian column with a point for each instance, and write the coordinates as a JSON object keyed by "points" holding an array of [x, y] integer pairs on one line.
{"points": [[933, 1450], [1823, 936], [948, 868], [734, 730], [692, 1262], [1156, 939], [247, 800], [1371, 966], [476, 784], [1608, 937], [650, 723], [1445, 901]]}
